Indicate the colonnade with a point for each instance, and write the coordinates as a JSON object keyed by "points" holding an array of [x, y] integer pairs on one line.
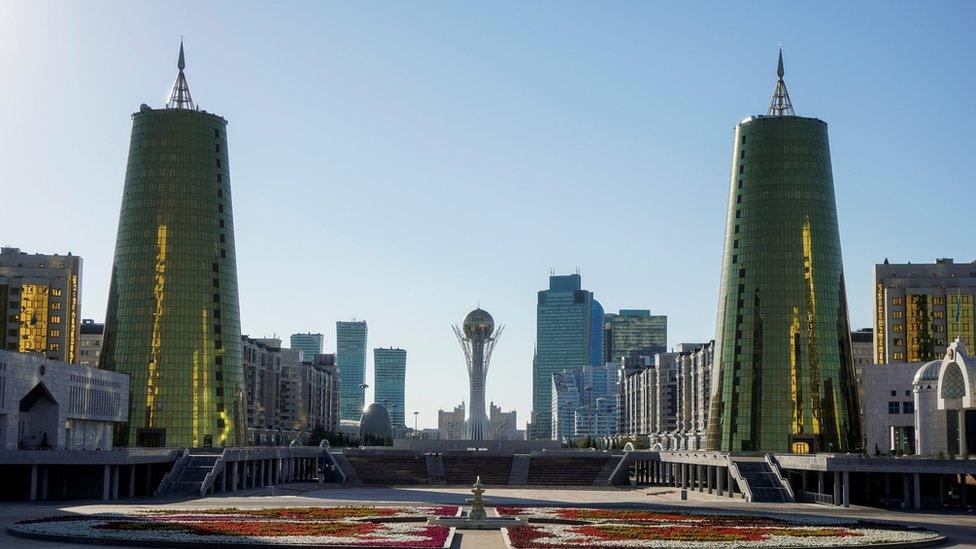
{"points": [[255, 473], [713, 479]]}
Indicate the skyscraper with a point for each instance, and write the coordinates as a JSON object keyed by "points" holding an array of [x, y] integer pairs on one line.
{"points": [[390, 372], [309, 344], [351, 359], [173, 321], [40, 302], [477, 337], [634, 332], [569, 335], [784, 374]]}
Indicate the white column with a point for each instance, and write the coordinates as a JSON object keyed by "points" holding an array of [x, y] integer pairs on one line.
{"points": [[963, 450], [33, 483], [106, 482], [847, 489], [918, 491]]}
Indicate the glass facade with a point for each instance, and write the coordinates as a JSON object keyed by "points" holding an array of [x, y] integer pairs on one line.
{"points": [[40, 296], [921, 307], [309, 344], [634, 332], [390, 372], [351, 359], [784, 378], [569, 329], [173, 320]]}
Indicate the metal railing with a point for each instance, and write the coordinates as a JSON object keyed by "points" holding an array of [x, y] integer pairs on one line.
{"points": [[771, 461], [211, 477], [740, 480], [173, 473]]}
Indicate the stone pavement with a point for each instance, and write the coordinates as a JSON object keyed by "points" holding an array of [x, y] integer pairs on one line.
{"points": [[958, 527]]}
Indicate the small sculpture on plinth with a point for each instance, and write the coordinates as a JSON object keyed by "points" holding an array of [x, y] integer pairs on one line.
{"points": [[477, 518], [477, 502]]}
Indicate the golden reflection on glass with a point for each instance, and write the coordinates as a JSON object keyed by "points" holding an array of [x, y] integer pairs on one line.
{"points": [[33, 318], [72, 356], [795, 374], [159, 293], [813, 348], [879, 322]]}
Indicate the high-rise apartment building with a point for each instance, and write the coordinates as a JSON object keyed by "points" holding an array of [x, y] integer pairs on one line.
{"points": [[390, 373], [501, 425], [785, 372], [285, 397], [351, 360], [173, 320], [634, 332], [920, 308], [451, 424], [569, 335], [90, 343], [40, 304], [309, 344]]}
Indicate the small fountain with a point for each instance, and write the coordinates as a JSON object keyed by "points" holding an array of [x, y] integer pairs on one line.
{"points": [[477, 518]]}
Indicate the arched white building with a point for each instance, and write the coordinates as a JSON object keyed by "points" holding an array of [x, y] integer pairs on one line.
{"points": [[944, 391]]}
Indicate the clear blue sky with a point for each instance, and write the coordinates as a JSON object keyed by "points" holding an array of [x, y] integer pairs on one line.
{"points": [[399, 162]]}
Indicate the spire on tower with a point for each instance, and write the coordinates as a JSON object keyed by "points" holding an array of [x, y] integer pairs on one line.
{"points": [[180, 98], [781, 104]]}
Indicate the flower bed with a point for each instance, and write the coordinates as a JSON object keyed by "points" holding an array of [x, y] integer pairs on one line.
{"points": [[625, 528], [314, 513], [310, 526]]}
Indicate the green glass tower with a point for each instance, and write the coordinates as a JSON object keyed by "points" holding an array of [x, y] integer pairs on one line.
{"points": [[783, 379], [173, 320]]}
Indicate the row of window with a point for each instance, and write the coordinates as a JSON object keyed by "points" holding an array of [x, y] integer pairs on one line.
{"points": [[905, 407]]}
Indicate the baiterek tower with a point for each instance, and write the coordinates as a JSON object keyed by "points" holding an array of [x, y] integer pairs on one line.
{"points": [[173, 320], [783, 379]]}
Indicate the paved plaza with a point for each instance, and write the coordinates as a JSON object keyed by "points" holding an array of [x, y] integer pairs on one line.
{"points": [[960, 529]]}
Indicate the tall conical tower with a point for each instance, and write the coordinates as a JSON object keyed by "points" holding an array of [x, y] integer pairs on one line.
{"points": [[173, 321], [783, 378]]}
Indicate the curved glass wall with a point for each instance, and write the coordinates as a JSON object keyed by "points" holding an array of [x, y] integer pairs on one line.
{"points": [[173, 321], [784, 377]]}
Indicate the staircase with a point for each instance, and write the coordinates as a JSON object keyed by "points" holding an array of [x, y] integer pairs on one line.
{"points": [[435, 469], [520, 470], [348, 474], [381, 470], [765, 484], [603, 479], [192, 478], [565, 471], [464, 469]]}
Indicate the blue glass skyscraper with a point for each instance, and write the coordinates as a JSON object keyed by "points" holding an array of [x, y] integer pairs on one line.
{"points": [[569, 335], [351, 359], [390, 373], [309, 344]]}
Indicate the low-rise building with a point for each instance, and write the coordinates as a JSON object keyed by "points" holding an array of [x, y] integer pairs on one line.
{"points": [[888, 407], [48, 404]]}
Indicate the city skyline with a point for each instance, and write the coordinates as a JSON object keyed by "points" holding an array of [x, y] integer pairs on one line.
{"points": [[869, 163]]}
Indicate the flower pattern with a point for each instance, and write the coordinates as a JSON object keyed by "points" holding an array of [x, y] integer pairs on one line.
{"points": [[363, 526], [634, 528]]}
